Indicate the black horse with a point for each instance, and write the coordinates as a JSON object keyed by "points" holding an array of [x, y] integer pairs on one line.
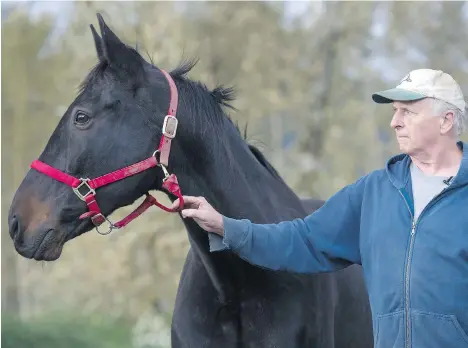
{"points": [[222, 301]]}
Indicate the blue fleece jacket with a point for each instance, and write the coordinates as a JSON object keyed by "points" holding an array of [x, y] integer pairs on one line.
{"points": [[416, 272]]}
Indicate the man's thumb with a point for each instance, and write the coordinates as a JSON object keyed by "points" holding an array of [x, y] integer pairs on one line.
{"points": [[189, 213], [175, 204]]}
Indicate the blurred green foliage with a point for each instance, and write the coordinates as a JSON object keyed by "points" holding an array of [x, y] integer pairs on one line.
{"points": [[304, 86], [64, 331]]}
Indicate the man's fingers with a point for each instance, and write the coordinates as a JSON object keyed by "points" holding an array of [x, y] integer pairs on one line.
{"points": [[175, 204], [190, 213], [189, 201]]}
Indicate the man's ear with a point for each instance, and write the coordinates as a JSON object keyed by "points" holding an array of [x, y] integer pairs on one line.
{"points": [[447, 122]]}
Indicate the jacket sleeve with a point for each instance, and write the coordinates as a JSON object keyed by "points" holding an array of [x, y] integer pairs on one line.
{"points": [[324, 241]]}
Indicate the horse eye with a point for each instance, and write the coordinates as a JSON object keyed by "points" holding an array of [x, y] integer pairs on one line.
{"points": [[81, 118]]}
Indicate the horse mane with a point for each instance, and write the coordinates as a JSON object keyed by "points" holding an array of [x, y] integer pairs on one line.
{"points": [[223, 96], [220, 95], [264, 162]]}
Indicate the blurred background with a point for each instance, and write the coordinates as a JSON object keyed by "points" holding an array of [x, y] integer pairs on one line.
{"points": [[304, 74]]}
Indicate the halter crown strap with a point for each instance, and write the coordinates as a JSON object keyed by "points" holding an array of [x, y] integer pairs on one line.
{"points": [[173, 93]]}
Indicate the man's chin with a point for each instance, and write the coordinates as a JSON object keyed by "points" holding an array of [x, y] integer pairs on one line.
{"points": [[403, 144]]}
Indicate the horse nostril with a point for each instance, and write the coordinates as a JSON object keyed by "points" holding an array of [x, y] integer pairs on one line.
{"points": [[14, 227]]}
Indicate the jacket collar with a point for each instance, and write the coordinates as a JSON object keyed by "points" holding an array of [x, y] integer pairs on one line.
{"points": [[398, 169]]}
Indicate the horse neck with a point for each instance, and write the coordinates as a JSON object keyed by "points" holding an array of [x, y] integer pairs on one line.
{"points": [[231, 178], [238, 186]]}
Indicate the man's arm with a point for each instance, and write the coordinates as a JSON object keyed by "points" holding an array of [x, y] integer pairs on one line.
{"points": [[324, 241]]}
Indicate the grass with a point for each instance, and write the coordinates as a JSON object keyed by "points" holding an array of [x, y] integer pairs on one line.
{"points": [[60, 331]]}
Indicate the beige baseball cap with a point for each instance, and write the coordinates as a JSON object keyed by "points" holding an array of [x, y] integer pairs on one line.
{"points": [[424, 83]]}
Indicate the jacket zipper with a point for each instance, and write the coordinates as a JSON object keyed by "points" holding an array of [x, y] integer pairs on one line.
{"points": [[408, 261], [408, 264], [410, 251]]}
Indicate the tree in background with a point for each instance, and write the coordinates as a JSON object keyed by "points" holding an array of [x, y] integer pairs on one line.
{"points": [[28, 88], [303, 87]]}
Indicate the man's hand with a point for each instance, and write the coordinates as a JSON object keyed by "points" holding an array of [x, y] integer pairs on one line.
{"points": [[203, 214]]}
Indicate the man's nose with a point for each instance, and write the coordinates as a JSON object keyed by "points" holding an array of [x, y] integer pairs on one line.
{"points": [[395, 121]]}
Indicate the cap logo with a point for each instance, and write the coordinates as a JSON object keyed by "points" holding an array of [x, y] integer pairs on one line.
{"points": [[407, 79]]}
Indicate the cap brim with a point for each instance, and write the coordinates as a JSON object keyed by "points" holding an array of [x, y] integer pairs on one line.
{"points": [[396, 94]]}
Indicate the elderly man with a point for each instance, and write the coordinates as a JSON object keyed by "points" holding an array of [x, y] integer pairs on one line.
{"points": [[406, 224]]}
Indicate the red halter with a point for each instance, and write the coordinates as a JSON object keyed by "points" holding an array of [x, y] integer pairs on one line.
{"points": [[170, 182]]}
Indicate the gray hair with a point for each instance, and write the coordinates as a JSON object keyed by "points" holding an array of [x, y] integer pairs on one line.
{"points": [[440, 106]]}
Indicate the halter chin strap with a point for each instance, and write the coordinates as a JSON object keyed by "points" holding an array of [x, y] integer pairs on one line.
{"points": [[85, 188]]}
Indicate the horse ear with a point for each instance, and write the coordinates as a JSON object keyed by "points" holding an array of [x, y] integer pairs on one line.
{"points": [[97, 43], [116, 52]]}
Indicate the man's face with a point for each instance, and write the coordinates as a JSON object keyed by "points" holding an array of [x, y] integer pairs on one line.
{"points": [[415, 125]]}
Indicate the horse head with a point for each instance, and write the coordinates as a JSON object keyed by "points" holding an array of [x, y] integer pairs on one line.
{"points": [[110, 148]]}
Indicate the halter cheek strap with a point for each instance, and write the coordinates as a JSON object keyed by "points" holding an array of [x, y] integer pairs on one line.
{"points": [[85, 188], [170, 124]]}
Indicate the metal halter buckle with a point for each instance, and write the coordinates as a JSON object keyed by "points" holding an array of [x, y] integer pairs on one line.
{"points": [[170, 126], [84, 182]]}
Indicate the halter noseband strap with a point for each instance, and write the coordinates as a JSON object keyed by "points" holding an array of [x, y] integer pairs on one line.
{"points": [[85, 188]]}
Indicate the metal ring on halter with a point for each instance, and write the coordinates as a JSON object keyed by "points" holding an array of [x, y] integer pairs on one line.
{"points": [[162, 166], [111, 227]]}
